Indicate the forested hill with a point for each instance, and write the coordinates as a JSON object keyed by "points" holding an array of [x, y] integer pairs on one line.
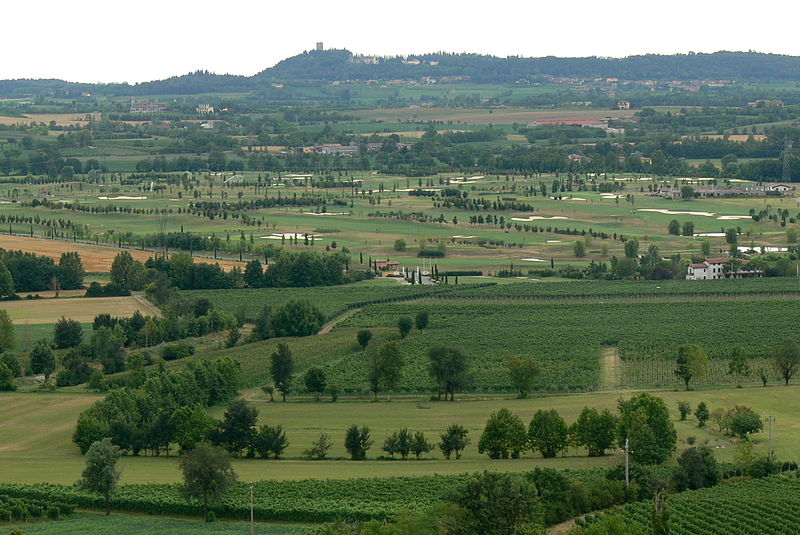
{"points": [[343, 65], [330, 65]]}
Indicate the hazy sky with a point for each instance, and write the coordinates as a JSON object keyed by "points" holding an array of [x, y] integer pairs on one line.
{"points": [[107, 40]]}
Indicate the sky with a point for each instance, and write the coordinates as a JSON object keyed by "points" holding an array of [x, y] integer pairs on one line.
{"points": [[111, 41]]}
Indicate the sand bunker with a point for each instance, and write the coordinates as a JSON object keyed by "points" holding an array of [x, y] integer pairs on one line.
{"points": [[533, 260], [709, 234], [463, 237], [762, 249], [535, 217], [730, 217], [676, 212], [121, 198], [324, 213]]}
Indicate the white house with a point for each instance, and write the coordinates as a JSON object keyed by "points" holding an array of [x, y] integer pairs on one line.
{"points": [[715, 268]]}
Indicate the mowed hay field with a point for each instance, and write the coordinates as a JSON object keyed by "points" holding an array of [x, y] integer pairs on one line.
{"points": [[49, 311], [35, 431], [96, 258], [61, 119]]}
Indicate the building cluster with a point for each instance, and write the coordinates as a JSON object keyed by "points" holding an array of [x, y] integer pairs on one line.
{"points": [[205, 109], [602, 124], [722, 268], [352, 149], [145, 106], [713, 190]]}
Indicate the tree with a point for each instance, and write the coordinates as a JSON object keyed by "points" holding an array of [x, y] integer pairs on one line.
{"points": [[296, 318], [319, 448], [363, 337], [122, 270], [687, 229], [282, 369], [421, 320], [547, 433], [453, 441], [238, 426], [503, 436], [674, 227], [254, 274], [579, 249], [644, 420], [494, 504], [731, 236], [233, 337], [720, 417], [739, 365], [193, 425], [8, 336], [705, 247], [70, 271], [207, 475], [404, 325], [400, 244], [702, 414], [684, 409], [269, 440], [6, 281], [448, 367], [692, 362], [660, 513], [7, 383], [399, 442], [67, 333], [269, 390], [742, 421], [523, 371], [334, 391], [420, 444], [697, 469], [632, 248], [391, 366], [42, 359], [787, 359], [315, 381], [12, 362], [357, 442], [595, 430], [101, 475]]}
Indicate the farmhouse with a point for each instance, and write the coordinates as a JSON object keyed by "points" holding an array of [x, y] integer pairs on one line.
{"points": [[623, 105], [721, 268], [205, 109], [386, 268]]}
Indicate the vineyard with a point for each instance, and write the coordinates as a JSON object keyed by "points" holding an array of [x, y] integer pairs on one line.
{"points": [[311, 500], [639, 288], [329, 299], [567, 337], [298, 501], [33, 508], [767, 506]]}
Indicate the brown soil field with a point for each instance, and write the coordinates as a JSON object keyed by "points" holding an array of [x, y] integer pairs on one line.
{"points": [[96, 258], [61, 119], [47, 311]]}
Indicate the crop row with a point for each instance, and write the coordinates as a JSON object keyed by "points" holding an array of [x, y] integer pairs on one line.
{"points": [[767, 506], [566, 337]]}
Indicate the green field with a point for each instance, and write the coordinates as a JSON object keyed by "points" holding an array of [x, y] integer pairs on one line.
{"points": [[35, 431]]}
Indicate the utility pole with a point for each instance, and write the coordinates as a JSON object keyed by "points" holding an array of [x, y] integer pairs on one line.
{"points": [[627, 467], [787, 146], [769, 420], [252, 525]]}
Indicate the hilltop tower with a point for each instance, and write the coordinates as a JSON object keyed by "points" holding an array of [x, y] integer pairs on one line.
{"points": [[319, 46]]}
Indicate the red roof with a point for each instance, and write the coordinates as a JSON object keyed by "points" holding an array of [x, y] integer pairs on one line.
{"points": [[718, 260], [701, 266]]}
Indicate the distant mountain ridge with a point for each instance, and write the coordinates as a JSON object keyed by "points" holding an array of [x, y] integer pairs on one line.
{"points": [[322, 66]]}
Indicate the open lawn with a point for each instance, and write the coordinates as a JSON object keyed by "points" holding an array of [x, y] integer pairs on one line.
{"points": [[35, 430], [49, 311]]}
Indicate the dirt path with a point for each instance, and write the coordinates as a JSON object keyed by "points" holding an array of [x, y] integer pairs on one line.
{"points": [[328, 327], [563, 527], [610, 368]]}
